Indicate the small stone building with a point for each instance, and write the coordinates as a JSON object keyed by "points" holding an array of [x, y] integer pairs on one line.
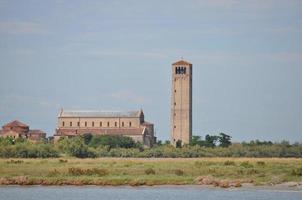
{"points": [[17, 129], [131, 124]]}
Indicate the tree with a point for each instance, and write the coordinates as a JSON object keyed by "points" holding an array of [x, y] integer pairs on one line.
{"points": [[196, 140], [112, 141], [87, 138], [178, 144], [211, 140], [224, 140]]}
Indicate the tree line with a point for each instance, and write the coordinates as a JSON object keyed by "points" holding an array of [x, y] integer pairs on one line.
{"points": [[91, 146]]}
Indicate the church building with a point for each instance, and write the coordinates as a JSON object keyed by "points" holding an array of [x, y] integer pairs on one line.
{"points": [[131, 124]]}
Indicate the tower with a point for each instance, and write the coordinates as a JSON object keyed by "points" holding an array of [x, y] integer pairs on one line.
{"points": [[181, 103]]}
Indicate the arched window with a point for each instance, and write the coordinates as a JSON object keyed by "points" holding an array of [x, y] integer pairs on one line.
{"points": [[92, 124], [130, 124], [101, 124], [70, 124], [85, 124], [63, 123], [108, 124], [123, 124], [115, 124]]}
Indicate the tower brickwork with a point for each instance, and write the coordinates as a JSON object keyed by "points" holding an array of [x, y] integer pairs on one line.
{"points": [[181, 103]]}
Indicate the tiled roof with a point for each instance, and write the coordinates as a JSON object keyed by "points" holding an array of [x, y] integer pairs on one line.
{"points": [[35, 132], [104, 114], [181, 62], [15, 123]]}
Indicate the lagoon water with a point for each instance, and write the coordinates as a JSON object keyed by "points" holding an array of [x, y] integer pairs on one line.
{"points": [[144, 193]]}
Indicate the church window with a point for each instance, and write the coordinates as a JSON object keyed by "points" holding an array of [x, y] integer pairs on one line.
{"points": [[123, 124], [92, 124], [63, 124], [101, 124], [115, 124], [70, 124], [85, 124], [130, 124]]}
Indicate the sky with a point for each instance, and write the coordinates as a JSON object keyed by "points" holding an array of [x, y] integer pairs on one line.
{"points": [[117, 55]]}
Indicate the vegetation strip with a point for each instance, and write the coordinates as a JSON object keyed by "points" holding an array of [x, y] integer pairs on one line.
{"points": [[222, 172]]}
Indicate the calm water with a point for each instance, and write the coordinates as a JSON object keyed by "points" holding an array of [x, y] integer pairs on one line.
{"points": [[144, 193]]}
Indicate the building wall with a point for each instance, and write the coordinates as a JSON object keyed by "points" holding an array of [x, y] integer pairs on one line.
{"points": [[72, 122], [181, 104], [134, 127]]}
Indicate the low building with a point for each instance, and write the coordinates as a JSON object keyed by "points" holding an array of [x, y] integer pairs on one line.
{"points": [[131, 124], [17, 129]]}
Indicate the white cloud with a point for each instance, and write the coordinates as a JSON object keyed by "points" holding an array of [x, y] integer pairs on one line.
{"points": [[22, 28], [128, 95]]}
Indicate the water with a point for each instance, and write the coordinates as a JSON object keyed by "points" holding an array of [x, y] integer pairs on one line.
{"points": [[144, 193]]}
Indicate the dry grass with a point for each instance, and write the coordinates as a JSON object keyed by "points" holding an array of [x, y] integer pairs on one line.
{"points": [[142, 171]]}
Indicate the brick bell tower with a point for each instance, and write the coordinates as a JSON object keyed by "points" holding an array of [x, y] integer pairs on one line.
{"points": [[181, 103]]}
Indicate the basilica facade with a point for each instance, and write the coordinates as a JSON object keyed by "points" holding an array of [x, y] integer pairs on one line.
{"points": [[131, 124]]}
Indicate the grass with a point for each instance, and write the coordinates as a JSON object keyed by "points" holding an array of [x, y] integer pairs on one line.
{"points": [[135, 172]]}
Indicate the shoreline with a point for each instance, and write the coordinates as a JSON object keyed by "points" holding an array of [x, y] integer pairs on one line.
{"points": [[5, 182], [283, 187]]}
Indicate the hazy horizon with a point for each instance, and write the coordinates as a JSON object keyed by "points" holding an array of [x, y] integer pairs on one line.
{"points": [[117, 55]]}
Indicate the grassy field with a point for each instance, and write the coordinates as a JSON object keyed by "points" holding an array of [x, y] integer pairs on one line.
{"points": [[223, 172]]}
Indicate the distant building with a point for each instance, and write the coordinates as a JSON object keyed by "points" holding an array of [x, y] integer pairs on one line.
{"points": [[17, 129], [181, 103], [131, 124]]}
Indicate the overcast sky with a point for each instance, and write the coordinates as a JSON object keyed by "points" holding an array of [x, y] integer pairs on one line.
{"points": [[117, 55]]}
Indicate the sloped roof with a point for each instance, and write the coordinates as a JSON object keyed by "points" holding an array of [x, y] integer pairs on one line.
{"points": [[103, 114], [182, 62], [15, 123], [36, 132]]}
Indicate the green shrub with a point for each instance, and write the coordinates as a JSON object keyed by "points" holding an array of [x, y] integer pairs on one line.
{"points": [[87, 172], [149, 171], [246, 164], [228, 162], [54, 173], [179, 172], [15, 161], [297, 172], [261, 163]]}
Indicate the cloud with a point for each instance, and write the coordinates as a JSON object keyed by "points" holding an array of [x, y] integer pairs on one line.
{"points": [[16, 100], [22, 28], [127, 95], [116, 53]]}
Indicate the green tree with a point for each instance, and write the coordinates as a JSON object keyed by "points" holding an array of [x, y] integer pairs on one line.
{"points": [[211, 140], [224, 140], [87, 138], [178, 144]]}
